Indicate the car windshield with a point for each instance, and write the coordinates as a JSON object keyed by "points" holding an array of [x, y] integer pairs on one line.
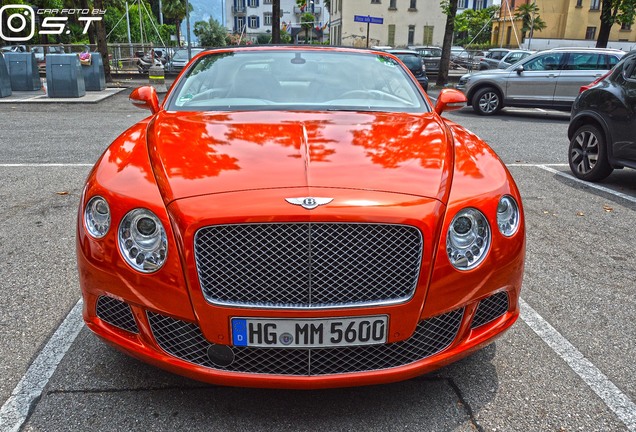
{"points": [[430, 52], [412, 61], [182, 55], [311, 79]]}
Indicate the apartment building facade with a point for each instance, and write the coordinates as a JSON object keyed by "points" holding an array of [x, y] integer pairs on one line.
{"points": [[254, 17], [571, 20], [404, 22]]}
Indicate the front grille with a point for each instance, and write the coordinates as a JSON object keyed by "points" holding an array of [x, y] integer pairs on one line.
{"points": [[117, 313], [490, 308], [185, 341], [307, 265]]}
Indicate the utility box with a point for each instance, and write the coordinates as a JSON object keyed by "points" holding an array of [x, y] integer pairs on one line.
{"points": [[64, 78], [5, 80], [94, 78], [23, 71]]}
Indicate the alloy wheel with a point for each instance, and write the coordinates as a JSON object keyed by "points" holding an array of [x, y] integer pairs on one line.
{"points": [[584, 152]]}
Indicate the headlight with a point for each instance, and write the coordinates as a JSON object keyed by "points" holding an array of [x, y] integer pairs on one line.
{"points": [[507, 215], [97, 217], [468, 239], [142, 240]]}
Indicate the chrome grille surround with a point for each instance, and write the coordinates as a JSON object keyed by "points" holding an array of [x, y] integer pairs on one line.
{"points": [[185, 341], [490, 308], [308, 265], [116, 313]]}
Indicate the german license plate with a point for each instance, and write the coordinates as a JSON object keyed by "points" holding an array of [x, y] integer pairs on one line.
{"points": [[309, 333]]}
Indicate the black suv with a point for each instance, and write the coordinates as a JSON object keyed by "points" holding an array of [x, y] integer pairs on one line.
{"points": [[602, 129]]}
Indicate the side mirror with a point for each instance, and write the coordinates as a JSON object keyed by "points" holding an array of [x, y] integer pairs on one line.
{"points": [[145, 97], [519, 69], [450, 100]]}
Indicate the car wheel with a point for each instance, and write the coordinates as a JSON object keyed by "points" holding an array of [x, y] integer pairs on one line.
{"points": [[588, 154], [487, 101]]}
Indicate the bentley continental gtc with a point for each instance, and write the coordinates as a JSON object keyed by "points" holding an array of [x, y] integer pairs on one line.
{"points": [[299, 217]]}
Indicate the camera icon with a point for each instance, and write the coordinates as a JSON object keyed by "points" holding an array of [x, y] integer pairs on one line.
{"points": [[18, 18]]}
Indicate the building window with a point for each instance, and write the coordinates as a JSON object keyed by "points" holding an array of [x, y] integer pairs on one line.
{"points": [[267, 18], [579, 3], [480, 4], [267, 1], [462, 4], [392, 4], [595, 4], [428, 35], [411, 35], [590, 33], [413, 5], [239, 23], [375, 1], [391, 34], [252, 3], [252, 21], [626, 27]]}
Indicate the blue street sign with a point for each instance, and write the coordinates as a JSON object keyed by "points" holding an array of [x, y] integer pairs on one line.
{"points": [[368, 19]]}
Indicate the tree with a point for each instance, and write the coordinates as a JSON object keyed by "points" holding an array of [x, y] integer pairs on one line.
{"points": [[307, 23], [102, 45], [450, 8], [210, 33], [530, 20], [276, 21], [175, 10], [473, 26], [614, 12]]}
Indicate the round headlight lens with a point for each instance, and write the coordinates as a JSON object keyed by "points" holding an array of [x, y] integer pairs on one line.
{"points": [[468, 239], [97, 217], [142, 240], [508, 215]]}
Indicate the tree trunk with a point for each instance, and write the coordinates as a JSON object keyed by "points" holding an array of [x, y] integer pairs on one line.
{"points": [[102, 46], [178, 32], [607, 21], [91, 29], [442, 76], [276, 21]]}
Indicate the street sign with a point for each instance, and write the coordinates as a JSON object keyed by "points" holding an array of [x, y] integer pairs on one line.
{"points": [[368, 19]]}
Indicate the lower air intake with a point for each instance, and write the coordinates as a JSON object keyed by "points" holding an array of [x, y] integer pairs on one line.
{"points": [[490, 308], [116, 313]]}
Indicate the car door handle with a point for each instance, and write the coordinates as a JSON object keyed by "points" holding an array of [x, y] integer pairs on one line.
{"points": [[551, 75]]}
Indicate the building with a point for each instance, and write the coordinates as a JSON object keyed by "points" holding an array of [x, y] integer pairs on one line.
{"points": [[568, 22], [254, 17], [404, 22], [463, 5]]}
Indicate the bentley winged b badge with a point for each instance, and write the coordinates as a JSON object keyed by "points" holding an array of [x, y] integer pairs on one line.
{"points": [[309, 202]]}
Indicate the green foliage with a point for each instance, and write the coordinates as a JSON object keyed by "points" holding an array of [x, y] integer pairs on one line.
{"points": [[210, 33], [474, 24], [119, 33], [530, 19], [621, 12]]}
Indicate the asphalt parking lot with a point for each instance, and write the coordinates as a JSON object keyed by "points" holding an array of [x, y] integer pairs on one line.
{"points": [[566, 365]]}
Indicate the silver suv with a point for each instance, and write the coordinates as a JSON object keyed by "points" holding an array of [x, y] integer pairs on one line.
{"points": [[547, 79]]}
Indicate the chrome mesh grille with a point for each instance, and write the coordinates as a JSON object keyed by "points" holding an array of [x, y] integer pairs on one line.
{"points": [[490, 308], [308, 264], [185, 341], [117, 313]]}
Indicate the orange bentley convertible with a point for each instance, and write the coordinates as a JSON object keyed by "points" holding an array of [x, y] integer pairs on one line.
{"points": [[299, 217]]}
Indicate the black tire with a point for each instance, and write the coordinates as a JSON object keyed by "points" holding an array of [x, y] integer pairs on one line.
{"points": [[487, 101], [587, 154]]}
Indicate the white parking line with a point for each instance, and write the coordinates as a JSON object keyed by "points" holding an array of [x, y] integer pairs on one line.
{"points": [[16, 409], [615, 400], [546, 167]]}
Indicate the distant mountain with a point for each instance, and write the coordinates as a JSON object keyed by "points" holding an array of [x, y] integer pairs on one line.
{"points": [[203, 10]]}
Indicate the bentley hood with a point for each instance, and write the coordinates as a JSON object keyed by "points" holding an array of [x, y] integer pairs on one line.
{"points": [[197, 154]]}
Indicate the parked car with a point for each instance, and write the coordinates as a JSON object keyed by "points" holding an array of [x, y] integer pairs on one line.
{"points": [[285, 218], [513, 57], [180, 58], [40, 53], [492, 57], [547, 79], [415, 63], [431, 55], [462, 58], [13, 48], [602, 129]]}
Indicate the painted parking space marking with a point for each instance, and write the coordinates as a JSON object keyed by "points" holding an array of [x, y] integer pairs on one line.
{"points": [[615, 400], [16, 409]]}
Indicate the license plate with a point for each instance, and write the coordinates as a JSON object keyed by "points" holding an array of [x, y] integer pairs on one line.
{"points": [[309, 333]]}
